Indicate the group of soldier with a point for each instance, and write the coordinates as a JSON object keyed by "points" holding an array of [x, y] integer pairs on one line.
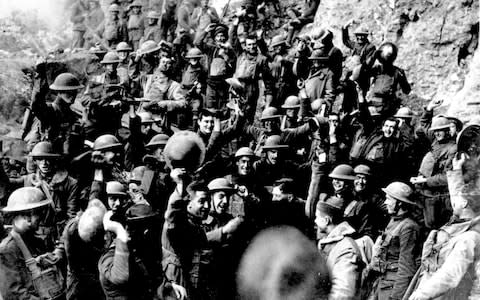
{"points": [[198, 159]]}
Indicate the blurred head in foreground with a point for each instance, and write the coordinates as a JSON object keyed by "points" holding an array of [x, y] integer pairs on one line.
{"points": [[281, 263]]}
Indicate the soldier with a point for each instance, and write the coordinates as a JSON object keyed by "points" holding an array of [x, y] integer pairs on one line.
{"points": [[166, 95], [135, 24], [432, 180], [152, 32], [123, 51], [194, 81], [335, 55], [385, 79], [361, 46], [307, 15], [130, 268], [250, 66], [291, 107], [78, 13], [282, 71], [222, 234], [56, 184], [396, 250], [22, 255], [220, 62], [61, 125], [319, 84], [84, 245], [202, 16], [104, 105], [343, 256], [455, 244], [113, 29]]}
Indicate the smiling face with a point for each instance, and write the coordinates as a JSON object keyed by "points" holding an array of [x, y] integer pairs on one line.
{"points": [[360, 182], [45, 165], [206, 124], [388, 128], [244, 165], [440, 135], [199, 205], [221, 202], [338, 185], [251, 46]]}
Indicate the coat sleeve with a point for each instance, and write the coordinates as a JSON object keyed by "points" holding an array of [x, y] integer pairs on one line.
{"points": [[454, 268], [113, 266], [73, 200], [345, 273], [406, 261], [176, 100]]}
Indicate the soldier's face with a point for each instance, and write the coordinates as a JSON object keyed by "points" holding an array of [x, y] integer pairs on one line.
{"points": [[251, 46], [199, 206], [440, 135], [136, 10], [28, 221], [338, 185], [244, 166], [165, 64], [152, 21], [453, 129], [220, 38], [109, 68], [193, 61], [291, 112], [360, 182], [68, 96], [321, 220], [361, 38], [389, 128], [221, 201], [271, 125], [158, 153], [145, 128], [272, 156], [206, 124], [123, 55], [45, 165], [117, 203], [391, 204]]}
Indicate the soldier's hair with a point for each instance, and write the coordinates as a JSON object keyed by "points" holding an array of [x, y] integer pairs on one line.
{"points": [[251, 37], [196, 186], [205, 113]]}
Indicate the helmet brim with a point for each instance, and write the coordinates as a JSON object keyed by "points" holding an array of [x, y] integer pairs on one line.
{"points": [[275, 147], [270, 117], [398, 197], [343, 177], [55, 87], [290, 106], [109, 147], [26, 207]]}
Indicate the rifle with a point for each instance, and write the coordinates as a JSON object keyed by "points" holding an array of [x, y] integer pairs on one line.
{"points": [[225, 10]]}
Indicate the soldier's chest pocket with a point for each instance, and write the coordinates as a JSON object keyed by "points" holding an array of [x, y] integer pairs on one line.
{"points": [[393, 247]]}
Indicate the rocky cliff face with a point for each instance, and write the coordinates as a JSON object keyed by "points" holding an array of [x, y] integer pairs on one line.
{"points": [[437, 42]]}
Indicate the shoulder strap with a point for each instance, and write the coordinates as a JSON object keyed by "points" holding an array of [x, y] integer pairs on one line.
{"points": [[21, 244]]}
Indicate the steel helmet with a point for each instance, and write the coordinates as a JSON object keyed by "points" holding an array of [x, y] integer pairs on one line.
{"points": [[106, 142], [116, 188], [373, 111], [388, 53], [361, 30], [363, 169], [220, 184], [148, 47], [439, 123], [278, 40], [43, 150], [114, 8], [123, 46], [291, 102], [110, 58], [153, 15], [399, 191], [146, 117], [404, 113], [158, 140], [184, 149], [66, 82], [343, 172], [270, 113], [273, 142], [136, 3], [244, 151], [26, 198], [194, 53]]}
